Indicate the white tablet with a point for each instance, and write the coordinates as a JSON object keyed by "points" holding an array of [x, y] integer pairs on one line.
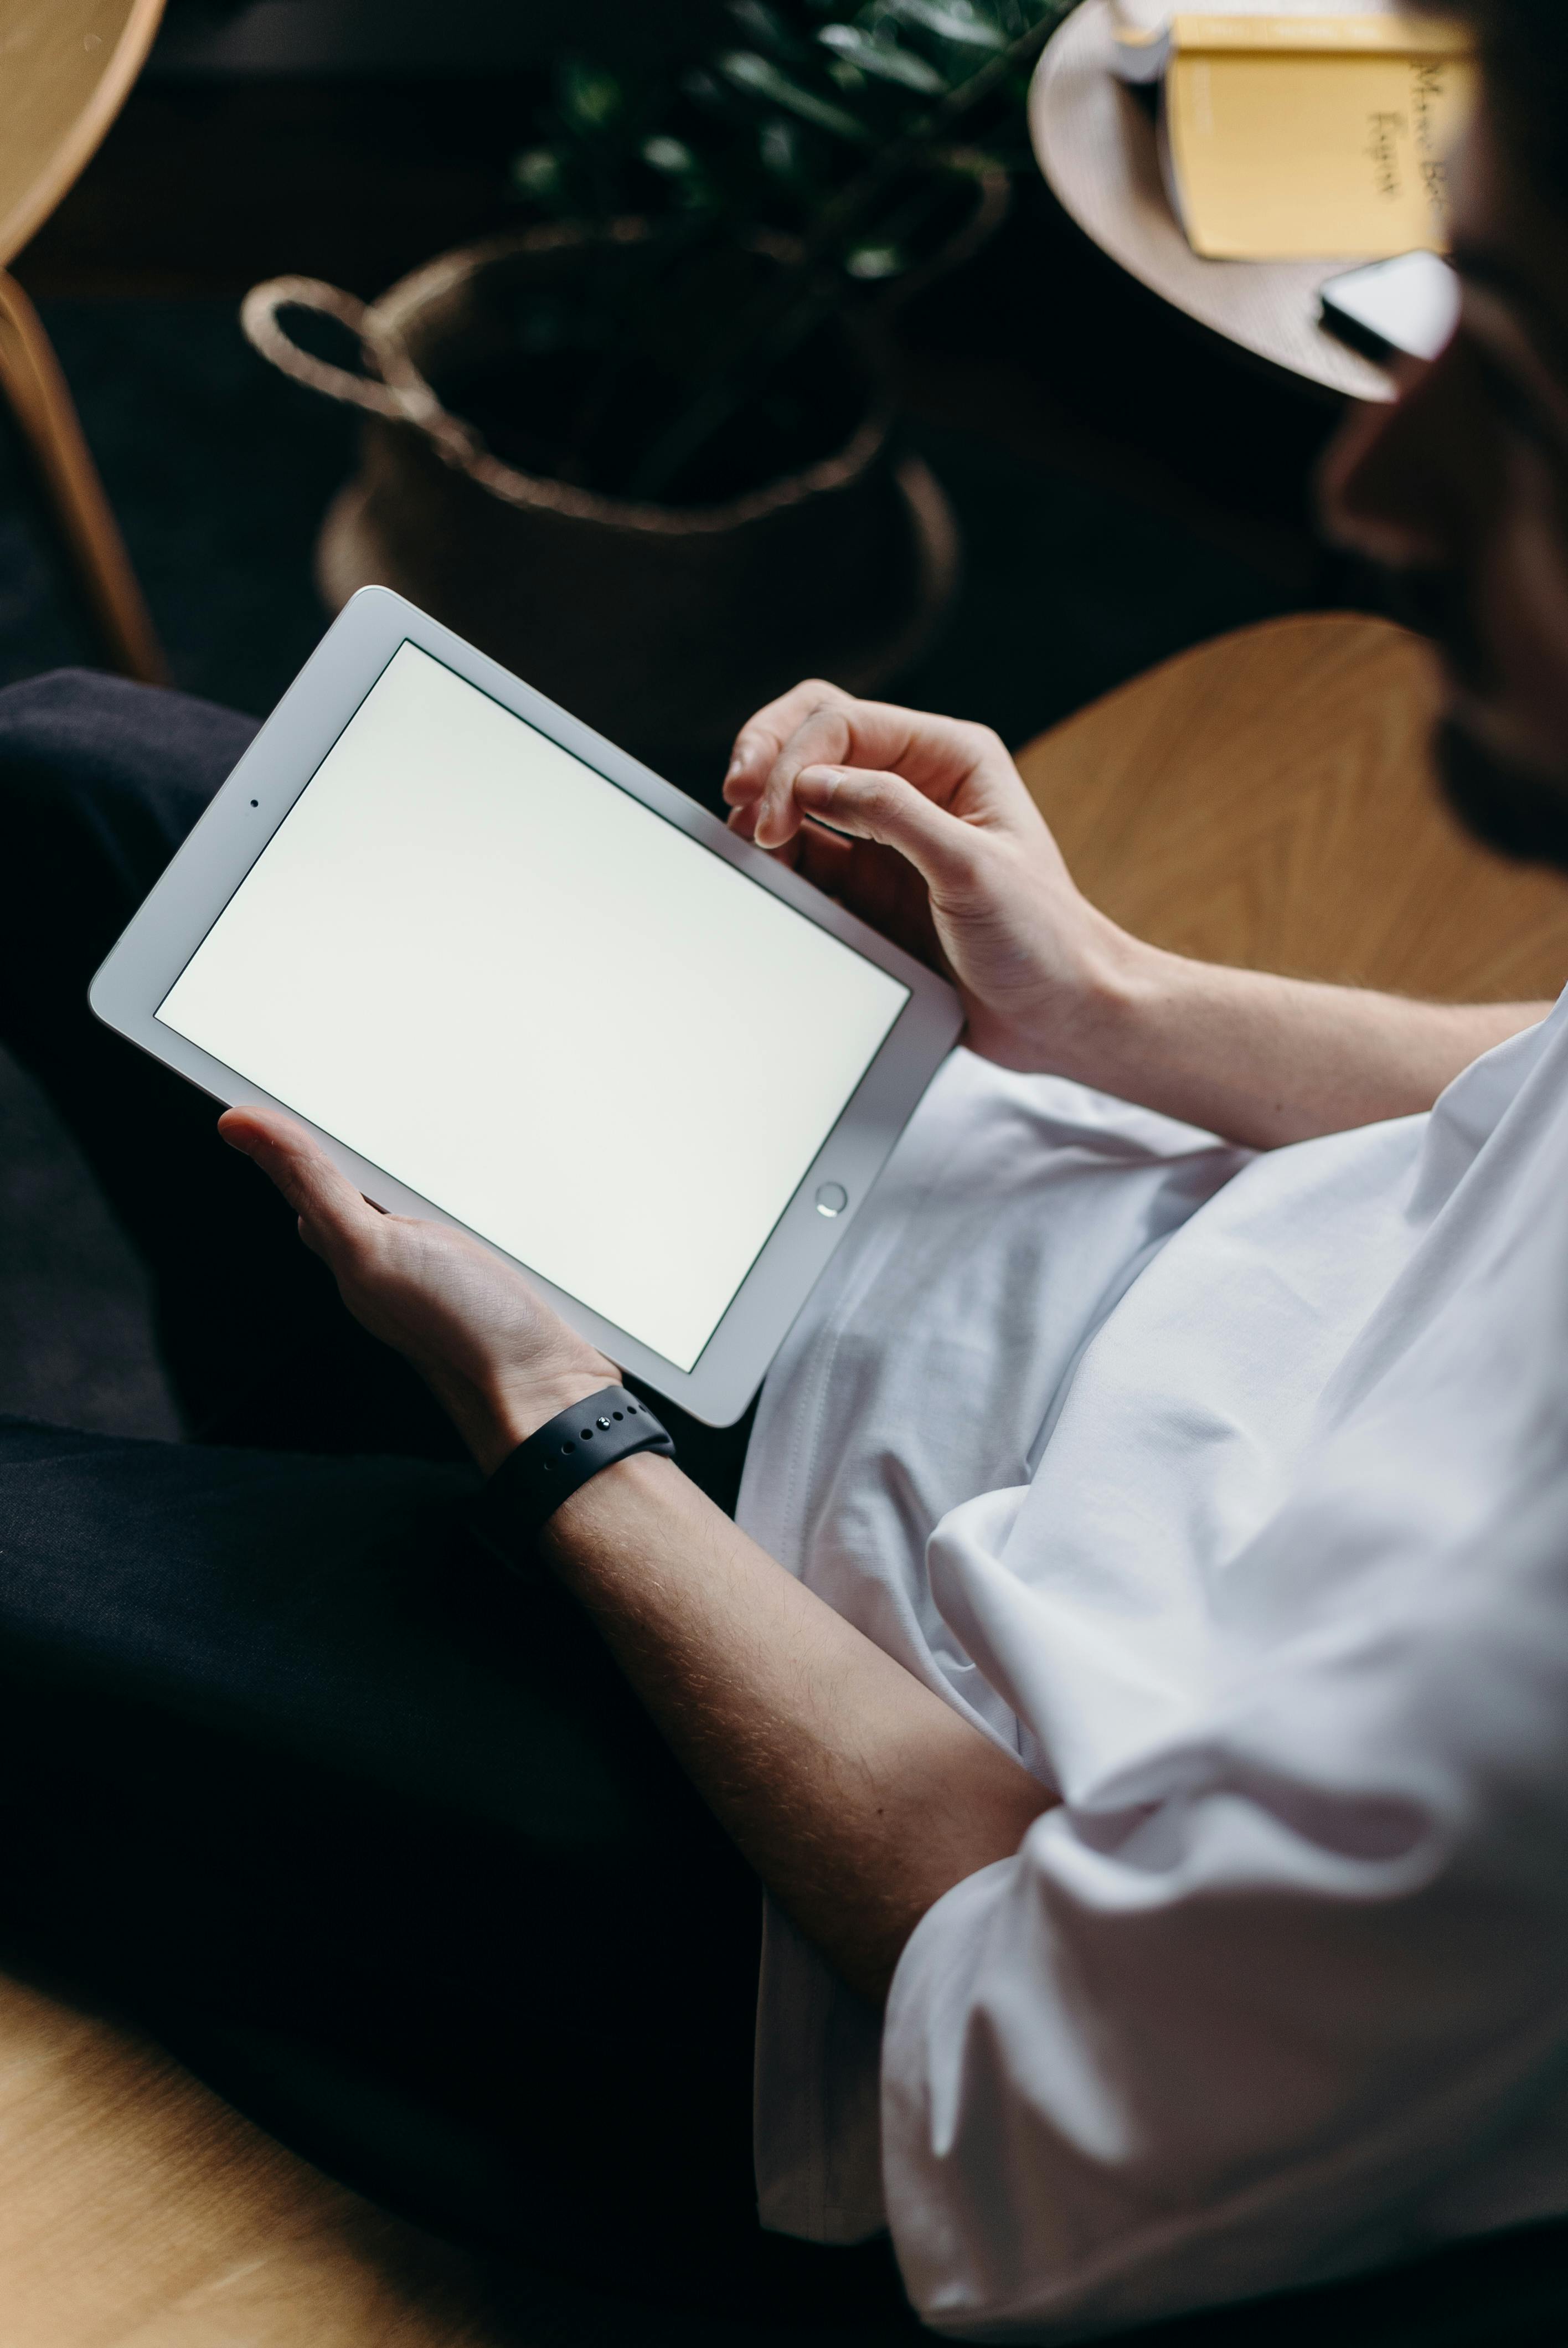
{"points": [[515, 982]]}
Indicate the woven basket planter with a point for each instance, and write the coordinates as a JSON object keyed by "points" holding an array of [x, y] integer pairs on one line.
{"points": [[663, 626]]}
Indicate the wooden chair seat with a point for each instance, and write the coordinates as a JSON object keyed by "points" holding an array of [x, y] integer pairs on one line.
{"points": [[1268, 801], [1263, 800]]}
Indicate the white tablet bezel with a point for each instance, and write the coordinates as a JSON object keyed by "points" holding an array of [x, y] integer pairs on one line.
{"points": [[170, 924]]}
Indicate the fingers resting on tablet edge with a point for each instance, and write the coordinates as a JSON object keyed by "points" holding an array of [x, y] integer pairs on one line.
{"points": [[780, 753]]}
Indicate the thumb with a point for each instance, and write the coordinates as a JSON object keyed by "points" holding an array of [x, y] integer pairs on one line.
{"points": [[868, 805], [334, 1218]]}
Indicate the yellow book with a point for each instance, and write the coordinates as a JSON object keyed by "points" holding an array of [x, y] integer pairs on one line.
{"points": [[1313, 138]]}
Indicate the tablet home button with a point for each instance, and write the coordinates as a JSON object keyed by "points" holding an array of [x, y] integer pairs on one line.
{"points": [[832, 1198]]}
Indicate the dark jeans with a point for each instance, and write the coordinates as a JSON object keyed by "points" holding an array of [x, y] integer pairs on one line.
{"points": [[372, 1834]]}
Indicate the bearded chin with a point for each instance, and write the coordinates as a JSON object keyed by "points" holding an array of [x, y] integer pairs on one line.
{"points": [[1519, 814]]}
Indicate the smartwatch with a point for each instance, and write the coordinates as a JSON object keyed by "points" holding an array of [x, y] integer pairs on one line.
{"points": [[557, 1459]]}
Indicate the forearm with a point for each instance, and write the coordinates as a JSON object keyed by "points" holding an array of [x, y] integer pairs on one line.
{"points": [[857, 1793], [1266, 1060]]}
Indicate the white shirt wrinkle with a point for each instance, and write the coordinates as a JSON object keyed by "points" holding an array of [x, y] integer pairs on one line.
{"points": [[1231, 1492]]}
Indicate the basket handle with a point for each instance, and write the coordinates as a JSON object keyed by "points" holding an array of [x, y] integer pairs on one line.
{"points": [[993, 201], [263, 328]]}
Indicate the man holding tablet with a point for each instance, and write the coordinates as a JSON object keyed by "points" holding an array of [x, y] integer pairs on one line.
{"points": [[1137, 1665]]}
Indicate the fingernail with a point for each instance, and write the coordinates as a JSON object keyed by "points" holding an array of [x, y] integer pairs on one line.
{"points": [[818, 782]]}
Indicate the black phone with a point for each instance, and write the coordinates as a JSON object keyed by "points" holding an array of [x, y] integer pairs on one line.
{"points": [[1407, 307]]}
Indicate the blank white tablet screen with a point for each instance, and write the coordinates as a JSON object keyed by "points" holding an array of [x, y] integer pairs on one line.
{"points": [[527, 996]]}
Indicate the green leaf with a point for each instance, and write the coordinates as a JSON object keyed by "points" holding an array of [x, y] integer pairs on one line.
{"points": [[882, 59], [589, 97], [779, 148], [871, 262], [670, 155], [749, 72], [766, 26], [537, 172], [952, 20]]}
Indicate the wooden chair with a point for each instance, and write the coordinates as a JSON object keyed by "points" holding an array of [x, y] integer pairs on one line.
{"points": [[1263, 800], [66, 68], [1268, 800]]}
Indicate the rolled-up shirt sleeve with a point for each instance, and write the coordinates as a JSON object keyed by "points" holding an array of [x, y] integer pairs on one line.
{"points": [[1244, 2003]]}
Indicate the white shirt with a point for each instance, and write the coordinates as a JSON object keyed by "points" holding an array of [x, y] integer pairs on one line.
{"points": [[1232, 1493]]}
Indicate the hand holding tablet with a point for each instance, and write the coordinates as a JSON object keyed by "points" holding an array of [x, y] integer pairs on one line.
{"points": [[499, 1360], [511, 980]]}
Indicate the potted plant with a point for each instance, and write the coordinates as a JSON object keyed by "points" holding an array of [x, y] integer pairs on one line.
{"points": [[640, 449]]}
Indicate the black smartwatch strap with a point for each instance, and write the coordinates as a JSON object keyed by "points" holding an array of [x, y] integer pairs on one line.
{"points": [[557, 1459]]}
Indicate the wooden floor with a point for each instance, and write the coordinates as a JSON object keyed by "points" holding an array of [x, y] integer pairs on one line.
{"points": [[137, 2211]]}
